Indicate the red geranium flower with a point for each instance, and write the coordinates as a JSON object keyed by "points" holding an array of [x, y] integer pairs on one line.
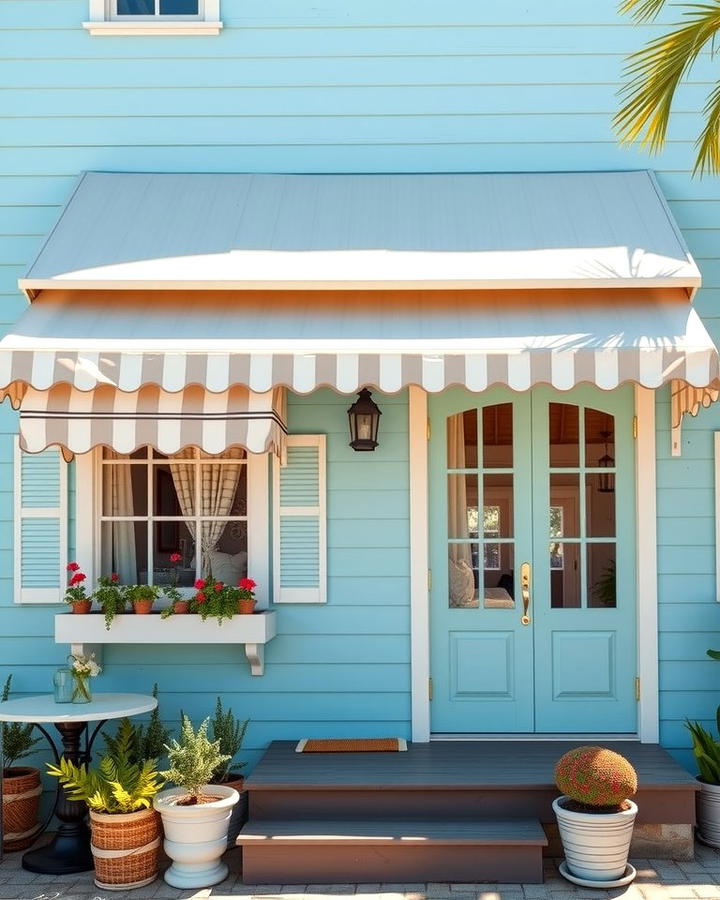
{"points": [[218, 586], [114, 577], [200, 597], [200, 584], [247, 583], [77, 578], [72, 567], [175, 557]]}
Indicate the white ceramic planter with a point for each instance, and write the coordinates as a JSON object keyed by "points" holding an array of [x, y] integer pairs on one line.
{"points": [[596, 844], [708, 813], [196, 836]]}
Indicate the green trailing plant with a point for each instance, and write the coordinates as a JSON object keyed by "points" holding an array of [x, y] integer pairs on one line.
{"points": [[193, 758], [120, 783], [141, 593], [111, 597], [152, 738], [706, 751], [596, 778], [17, 737], [229, 733], [214, 600]]}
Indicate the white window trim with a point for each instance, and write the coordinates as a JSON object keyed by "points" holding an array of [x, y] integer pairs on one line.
{"points": [[102, 22], [87, 531]]}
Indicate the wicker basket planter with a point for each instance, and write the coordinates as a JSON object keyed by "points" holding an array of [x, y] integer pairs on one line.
{"points": [[126, 848], [21, 807]]}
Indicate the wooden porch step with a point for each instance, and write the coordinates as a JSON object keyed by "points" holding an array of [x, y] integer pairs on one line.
{"points": [[386, 850]]}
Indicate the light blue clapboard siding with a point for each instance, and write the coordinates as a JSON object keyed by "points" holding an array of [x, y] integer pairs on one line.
{"points": [[363, 87]]}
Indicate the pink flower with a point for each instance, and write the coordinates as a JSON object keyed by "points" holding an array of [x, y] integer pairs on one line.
{"points": [[200, 584], [175, 557], [77, 578], [114, 577], [200, 597], [72, 567], [247, 583], [218, 586]]}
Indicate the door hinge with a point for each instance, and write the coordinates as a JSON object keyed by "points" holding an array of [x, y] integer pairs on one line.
{"points": [[637, 689], [635, 427], [429, 429], [429, 579], [430, 689]]}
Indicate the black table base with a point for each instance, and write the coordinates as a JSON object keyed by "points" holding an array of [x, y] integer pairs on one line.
{"points": [[69, 851]]}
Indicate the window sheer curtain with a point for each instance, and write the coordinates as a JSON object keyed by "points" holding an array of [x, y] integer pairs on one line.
{"points": [[218, 485], [461, 577], [118, 501]]}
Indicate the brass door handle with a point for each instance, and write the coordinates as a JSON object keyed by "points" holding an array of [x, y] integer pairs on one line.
{"points": [[525, 588]]}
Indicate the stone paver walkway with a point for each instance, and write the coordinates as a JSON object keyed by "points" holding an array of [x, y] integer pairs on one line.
{"points": [[657, 880]]}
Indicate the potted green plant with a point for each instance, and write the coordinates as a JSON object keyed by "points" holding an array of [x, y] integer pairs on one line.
{"points": [[124, 826], [142, 597], [110, 595], [152, 738], [75, 595], [230, 732], [213, 600], [707, 756], [21, 784], [178, 604], [595, 815], [195, 814]]}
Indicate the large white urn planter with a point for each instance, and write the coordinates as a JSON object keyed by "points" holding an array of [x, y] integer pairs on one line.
{"points": [[708, 813], [196, 836], [596, 844]]}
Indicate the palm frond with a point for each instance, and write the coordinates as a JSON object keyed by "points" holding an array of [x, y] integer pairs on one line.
{"points": [[708, 144], [642, 10], [655, 73]]}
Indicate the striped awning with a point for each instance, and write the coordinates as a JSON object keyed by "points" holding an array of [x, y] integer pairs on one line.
{"points": [[77, 420], [124, 344]]}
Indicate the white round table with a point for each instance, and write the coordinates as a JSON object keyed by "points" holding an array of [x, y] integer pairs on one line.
{"points": [[69, 850]]}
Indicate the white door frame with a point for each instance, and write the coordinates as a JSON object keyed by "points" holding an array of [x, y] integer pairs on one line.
{"points": [[646, 555]]}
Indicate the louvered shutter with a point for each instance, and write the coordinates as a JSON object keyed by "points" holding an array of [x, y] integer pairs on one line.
{"points": [[299, 522], [40, 527]]}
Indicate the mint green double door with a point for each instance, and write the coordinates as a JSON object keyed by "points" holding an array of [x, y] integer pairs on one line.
{"points": [[532, 553]]}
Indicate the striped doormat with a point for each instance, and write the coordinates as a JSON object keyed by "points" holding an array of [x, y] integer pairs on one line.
{"points": [[351, 745]]}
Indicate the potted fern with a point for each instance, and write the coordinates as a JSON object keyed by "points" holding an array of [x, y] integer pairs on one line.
{"points": [[21, 784], [707, 756], [124, 826], [229, 732], [195, 814]]}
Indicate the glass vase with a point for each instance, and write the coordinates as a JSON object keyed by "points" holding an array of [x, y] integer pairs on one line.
{"points": [[81, 688], [63, 686]]}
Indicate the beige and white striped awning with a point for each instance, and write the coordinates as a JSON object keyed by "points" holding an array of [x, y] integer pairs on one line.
{"points": [[79, 420]]}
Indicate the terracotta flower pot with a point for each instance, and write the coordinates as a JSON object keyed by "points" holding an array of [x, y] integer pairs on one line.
{"points": [[143, 607], [82, 608], [181, 607], [246, 607], [21, 807]]}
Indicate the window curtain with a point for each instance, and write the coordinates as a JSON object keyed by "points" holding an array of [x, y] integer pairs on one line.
{"points": [[218, 485], [118, 501], [457, 493]]}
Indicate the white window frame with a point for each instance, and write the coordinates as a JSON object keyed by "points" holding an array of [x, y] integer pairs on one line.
{"points": [[103, 20], [88, 527]]}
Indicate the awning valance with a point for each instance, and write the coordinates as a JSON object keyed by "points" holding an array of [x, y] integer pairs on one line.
{"points": [[78, 420], [347, 340]]}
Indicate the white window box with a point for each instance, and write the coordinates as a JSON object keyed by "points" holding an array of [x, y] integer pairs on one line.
{"points": [[87, 634]]}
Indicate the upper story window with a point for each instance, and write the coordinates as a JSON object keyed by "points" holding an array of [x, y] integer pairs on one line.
{"points": [[153, 17]]}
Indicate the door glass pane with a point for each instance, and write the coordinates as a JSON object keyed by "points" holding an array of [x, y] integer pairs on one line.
{"points": [[565, 575], [564, 435], [599, 506], [498, 506], [498, 436], [123, 550], [599, 439], [564, 505], [124, 490], [463, 576], [462, 440], [498, 576], [462, 506], [602, 582]]}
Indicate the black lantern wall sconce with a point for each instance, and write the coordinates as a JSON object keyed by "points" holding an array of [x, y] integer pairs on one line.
{"points": [[364, 418]]}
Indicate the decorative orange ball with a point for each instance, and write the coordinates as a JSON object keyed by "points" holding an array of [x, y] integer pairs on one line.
{"points": [[595, 776]]}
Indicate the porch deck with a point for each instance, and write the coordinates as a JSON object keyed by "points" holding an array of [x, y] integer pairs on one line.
{"points": [[500, 787]]}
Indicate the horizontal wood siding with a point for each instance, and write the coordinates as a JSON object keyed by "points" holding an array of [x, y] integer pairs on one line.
{"points": [[361, 87]]}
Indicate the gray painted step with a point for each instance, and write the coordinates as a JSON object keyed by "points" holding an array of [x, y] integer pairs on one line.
{"points": [[386, 850]]}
